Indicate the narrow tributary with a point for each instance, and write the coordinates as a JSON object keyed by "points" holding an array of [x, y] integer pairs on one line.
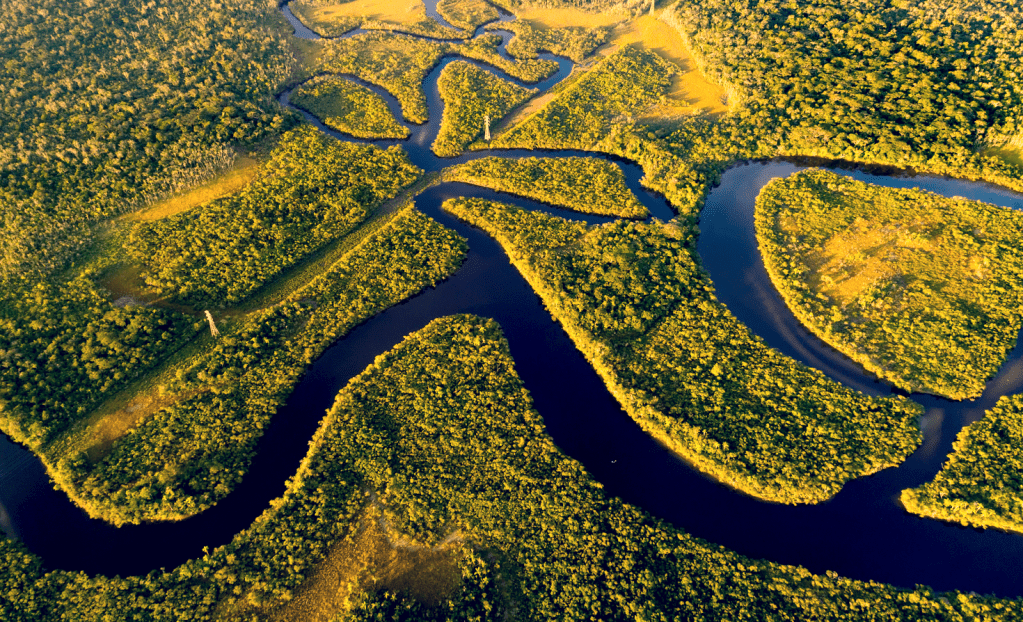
{"points": [[861, 533]]}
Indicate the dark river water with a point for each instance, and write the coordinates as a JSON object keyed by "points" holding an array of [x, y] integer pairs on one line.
{"points": [[861, 533]]}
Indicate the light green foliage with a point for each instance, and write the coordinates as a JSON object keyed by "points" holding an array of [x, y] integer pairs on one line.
{"points": [[920, 83], [442, 432], [620, 87], [485, 50], [106, 106], [313, 190], [469, 94], [685, 369], [191, 454], [981, 484], [575, 42], [65, 348], [348, 107], [467, 14], [399, 64], [582, 184], [921, 290]]}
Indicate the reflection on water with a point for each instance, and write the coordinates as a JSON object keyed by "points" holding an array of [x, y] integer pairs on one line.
{"points": [[862, 533]]}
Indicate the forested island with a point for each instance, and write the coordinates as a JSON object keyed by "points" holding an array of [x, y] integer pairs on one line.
{"points": [[179, 249]]}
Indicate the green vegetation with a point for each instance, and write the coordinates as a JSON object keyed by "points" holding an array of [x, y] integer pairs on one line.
{"points": [[314, 189], [575, 42], [635, 303], [921, 290], [108, 106], [394, 62], [922, 84], [62, 349], [541, 537], [581, 184], [191, 453], [470, 94], [620, 87], [399, 64], [980, 485], [348, 107], [467, 14]]}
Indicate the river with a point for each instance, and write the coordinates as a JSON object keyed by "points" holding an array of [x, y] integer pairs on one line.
{"points": [[861, 533]]}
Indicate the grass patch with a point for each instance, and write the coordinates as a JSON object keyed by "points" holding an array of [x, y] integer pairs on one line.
{"points": [[331, 20], [373, 560], [921, 290], [691, 91], [241, 173]]}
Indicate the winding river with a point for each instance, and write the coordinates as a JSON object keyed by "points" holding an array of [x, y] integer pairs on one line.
{"points": [[861, 533]]}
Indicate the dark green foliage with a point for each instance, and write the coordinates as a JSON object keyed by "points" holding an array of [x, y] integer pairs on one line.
{"points": [[313, 190], [189, 455], [63, 349], [923, 290], [470, 94], [108, 105], [348, 107], [399, 64], [619, 88], [636, 304], [981, 484], [441, 429], [909, 83], [582, 184]]}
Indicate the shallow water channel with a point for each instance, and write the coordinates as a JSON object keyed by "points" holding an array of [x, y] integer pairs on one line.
{"points": [[861, 533]]}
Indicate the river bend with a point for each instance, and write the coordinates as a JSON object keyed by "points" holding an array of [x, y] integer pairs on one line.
{"points": [[861, 533]]}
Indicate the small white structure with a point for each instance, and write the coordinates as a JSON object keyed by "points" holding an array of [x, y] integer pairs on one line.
{"points": [[213, 327], [486, 127]]}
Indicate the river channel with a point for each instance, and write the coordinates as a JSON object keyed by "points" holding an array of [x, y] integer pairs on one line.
{"points": [[861, 533]]}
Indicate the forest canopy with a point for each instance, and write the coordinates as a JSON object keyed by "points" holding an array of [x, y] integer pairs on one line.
{"points": [[922, 290]]}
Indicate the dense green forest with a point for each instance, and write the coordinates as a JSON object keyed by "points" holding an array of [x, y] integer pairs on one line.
{"points": [[348, 107], [575, 42], [581, 184], [471, 95], [191, 453], [540, 537], [980, 485], [613, 93], [926, 84], [314, 189], [399, 64], [110, 107], [62, 350], [637, 305], [922, 290], [106, 106]]}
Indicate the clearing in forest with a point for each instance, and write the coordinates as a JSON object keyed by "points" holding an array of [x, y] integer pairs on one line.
{"points": [[922, 290]]}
